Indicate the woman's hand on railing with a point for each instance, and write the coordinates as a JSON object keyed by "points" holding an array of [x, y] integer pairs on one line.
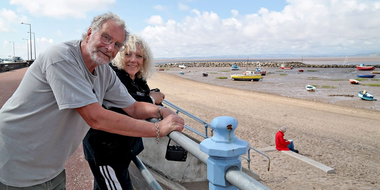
{"points": [[157, 96]]}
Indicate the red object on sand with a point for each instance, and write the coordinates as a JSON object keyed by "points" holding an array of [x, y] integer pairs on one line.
{"points": [[353, 81], [300, 70], [365, 68], [286, 67]]}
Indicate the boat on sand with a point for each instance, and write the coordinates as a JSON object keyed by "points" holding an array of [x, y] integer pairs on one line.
{"points": [[353, 81], [310, 88], [362, 67], [246, 76], [366, 76], [364, 95], [283, 66], [183, 66], [234, 67], [261, 72]]}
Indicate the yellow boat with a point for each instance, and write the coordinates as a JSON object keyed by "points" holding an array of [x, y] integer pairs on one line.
{"points": [[242, 77]]}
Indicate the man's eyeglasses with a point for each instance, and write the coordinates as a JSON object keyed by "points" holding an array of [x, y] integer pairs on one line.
{"points": [[106, 39]]}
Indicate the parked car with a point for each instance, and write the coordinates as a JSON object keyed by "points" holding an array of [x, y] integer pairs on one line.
{"points": [[8, 60], [13, 60]]}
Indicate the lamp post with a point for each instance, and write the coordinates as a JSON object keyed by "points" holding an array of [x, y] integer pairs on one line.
{"points": [[34, 41], [27, 47], [30, 38], [13, 48]]}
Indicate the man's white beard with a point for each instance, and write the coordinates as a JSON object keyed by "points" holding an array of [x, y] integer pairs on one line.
{"points": [[93, 52]]}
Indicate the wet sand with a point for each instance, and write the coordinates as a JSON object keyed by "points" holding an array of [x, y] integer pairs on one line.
{"points": [[332, 83]]}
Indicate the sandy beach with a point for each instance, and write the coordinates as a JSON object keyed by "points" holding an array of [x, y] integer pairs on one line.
{"points": [[341, 135]]}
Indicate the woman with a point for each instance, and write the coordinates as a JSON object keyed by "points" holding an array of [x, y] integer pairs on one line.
{"points": [[283, 144], [109, 155]]}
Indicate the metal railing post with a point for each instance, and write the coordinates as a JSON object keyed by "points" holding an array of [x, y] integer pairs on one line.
{"points": [[146, 174], [224, 149]]}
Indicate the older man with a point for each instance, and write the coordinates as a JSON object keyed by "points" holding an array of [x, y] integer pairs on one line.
{"points": [[60, 98]]}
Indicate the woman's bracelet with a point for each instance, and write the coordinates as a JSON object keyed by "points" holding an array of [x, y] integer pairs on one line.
{"points": [[157, 132], [159, 112]]}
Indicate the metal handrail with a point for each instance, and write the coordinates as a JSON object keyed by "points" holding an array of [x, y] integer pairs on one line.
{"points": [[146, 174], [178, 109], [258, 151], [233, 175], [241, 180]]}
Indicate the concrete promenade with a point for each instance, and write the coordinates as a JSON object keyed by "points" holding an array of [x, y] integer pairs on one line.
{"points": [[78, 173]]}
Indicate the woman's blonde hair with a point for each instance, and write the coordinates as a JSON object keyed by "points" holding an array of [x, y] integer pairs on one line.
{"points": [[147, 67]]}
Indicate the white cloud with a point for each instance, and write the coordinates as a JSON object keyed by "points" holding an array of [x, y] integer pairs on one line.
{"points": [[7, 17], [62, 8], [183, 7], [45, 40], [155, 20], [159, 7], [302, 27], [235, 12]]}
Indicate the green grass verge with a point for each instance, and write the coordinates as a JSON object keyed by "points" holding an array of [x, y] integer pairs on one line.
{"points": [[283, 74], [225, 71], [213, 72], [327, 86], [337, 79], [312, 70], [370, 84], [221, 77]]}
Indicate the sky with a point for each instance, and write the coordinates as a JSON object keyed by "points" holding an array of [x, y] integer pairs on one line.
{"points": [[203, 28]]}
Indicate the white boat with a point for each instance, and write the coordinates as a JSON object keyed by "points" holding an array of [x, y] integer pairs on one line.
{"points": [[353, 81], [364, 95], [183, 66], [310, 88]]}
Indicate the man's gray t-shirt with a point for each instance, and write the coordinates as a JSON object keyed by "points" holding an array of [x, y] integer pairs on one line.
{"points": [[39, 126]]}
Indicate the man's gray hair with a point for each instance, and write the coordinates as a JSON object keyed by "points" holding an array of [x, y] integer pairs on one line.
{"points": [[99, 20], [283, 128]]}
